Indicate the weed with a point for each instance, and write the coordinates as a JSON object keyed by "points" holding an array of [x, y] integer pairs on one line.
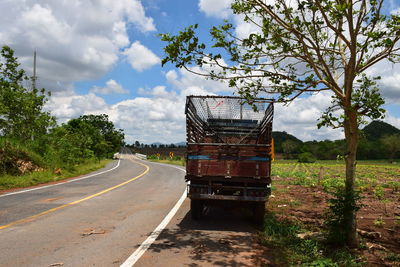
{"points": [[379, 192], [393, 257], [379, 222], [33, 178], [340, 205], [168, 161], [397, 220], [394, 185]]}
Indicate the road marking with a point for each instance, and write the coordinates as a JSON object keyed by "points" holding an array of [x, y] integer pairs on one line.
{"points": [[61, 183], [33, 217], [153, 236]]}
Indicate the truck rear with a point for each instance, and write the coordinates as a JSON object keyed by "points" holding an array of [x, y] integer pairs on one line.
{"points": [[229, 152]]}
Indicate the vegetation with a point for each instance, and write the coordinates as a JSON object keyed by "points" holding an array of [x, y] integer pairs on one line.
{"points": [[378, 140], [316, 222], [21, 109], [49, 175], [289, 249], [33, 149], [180, 161]]}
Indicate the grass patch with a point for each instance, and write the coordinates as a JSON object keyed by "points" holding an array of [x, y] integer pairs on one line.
{"points": [[289, 250], [167, 161], [34, 178]]}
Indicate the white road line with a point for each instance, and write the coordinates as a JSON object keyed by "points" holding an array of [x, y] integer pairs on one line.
{"points": [[153, 236], [69, 181]]}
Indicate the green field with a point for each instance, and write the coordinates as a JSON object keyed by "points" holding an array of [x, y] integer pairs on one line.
{"points": [[370, 174]]}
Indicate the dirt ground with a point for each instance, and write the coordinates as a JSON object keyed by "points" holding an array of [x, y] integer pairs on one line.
{"points": [[378, 219]]}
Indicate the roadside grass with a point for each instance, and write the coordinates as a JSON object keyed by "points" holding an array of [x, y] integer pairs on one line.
{"points": [[168, 161], [288, 249], [48, 175]]}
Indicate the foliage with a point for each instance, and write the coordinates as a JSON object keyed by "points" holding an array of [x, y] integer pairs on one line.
{"points": [[289, 147], [306, 157], [281, 235], [392, 144], [21, 109], [336, 220], [14, 155], [30, 141], [382, 142], [281, 137], [83, 138], [47, 175]]}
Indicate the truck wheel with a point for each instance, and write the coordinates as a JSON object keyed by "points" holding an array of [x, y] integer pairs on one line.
{"points": [[196, 208], [259, 213]]}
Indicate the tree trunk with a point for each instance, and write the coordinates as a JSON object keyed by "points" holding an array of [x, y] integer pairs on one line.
{"points": [[351, 134]]}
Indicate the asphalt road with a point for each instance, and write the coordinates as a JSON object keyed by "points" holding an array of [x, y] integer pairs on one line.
{"points": [[88, 222], [103, 219]]}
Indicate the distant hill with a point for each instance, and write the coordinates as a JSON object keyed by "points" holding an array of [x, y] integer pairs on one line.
{"points": [[180, 144], [378, 129], [280, 137], [176, 144]]}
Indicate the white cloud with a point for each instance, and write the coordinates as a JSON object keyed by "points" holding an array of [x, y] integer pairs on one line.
{"points": [[219, 9], [300, 118], [182, 80], [75, 40], [112, 87], [66, 105], [140, 57], [395, 121], [389, 83]]}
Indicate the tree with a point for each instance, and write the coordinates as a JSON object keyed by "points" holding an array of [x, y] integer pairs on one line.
{"points": [[137, 144], [302, 46], [114, 137], [98, 134], [392, 144], [21, 109], [289, 147]]}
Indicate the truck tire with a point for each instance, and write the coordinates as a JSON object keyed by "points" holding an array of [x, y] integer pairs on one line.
{"points": [[196, 208], [259, 213]]}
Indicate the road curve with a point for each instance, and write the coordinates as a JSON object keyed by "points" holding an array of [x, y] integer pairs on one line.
{"points": [[98, 221]]}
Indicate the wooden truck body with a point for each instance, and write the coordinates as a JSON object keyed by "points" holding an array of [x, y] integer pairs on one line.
{"points": [[229, 151]]}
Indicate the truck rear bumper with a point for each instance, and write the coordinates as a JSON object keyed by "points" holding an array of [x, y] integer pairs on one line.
{"points": [[241, 193], [225, 197]]}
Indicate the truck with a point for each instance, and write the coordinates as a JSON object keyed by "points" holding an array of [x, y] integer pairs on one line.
{"points": [[229, 152]]}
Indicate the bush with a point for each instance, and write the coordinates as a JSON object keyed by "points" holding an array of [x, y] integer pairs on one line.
{"points": [[339, 206], [16, 158], [306, 157]]}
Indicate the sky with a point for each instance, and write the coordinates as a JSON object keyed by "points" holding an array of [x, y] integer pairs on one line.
{"points": [[104, 56]]}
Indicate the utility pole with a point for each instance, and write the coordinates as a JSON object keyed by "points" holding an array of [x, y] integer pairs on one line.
{"points": [[34, 71]]}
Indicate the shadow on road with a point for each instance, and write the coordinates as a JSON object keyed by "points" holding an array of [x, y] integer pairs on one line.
{"points": [[222, 237]]}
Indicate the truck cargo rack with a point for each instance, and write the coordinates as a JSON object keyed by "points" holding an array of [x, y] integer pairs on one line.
{"points": [[229, 152]]}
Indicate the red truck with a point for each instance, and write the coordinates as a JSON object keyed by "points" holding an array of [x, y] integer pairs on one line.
{"points": [[229, 152]]}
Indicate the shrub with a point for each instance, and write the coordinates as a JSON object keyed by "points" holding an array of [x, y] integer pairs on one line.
{"points": [[336, 221], [306, 157]]}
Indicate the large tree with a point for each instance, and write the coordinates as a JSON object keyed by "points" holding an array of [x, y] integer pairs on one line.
{"points": [[21, 108], [302, 46]]}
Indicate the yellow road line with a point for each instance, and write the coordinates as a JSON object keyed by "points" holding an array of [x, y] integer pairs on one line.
{"points": [[33, 217]]}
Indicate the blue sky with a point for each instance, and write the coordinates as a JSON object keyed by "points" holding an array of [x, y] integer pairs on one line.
{"points": [[104, 57]]}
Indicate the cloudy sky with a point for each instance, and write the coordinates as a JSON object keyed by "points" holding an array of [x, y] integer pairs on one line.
{"points": [[103, 56]]}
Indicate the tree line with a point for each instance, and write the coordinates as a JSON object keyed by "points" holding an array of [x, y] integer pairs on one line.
{"points": [[378, 140], [30, 132]]}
